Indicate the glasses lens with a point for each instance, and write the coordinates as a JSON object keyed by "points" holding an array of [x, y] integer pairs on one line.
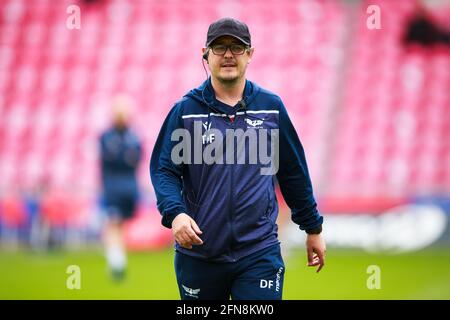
{"points": [[219, 49], [237, 49]]}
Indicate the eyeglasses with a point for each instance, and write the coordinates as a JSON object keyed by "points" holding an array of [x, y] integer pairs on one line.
{"points": [[220, 49]]}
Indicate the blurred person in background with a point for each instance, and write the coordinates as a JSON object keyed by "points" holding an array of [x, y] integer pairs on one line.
{"points": [[120, 153]]}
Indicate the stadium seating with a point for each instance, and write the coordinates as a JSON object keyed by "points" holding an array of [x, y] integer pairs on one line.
{"points": [[57, 83], [393, 125], [379, 129]]}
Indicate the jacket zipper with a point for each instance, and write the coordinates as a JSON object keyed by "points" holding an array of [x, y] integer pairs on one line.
{"points": [[233, 236], [232, 212]]}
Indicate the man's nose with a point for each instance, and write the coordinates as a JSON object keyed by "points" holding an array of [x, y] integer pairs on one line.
{"points": [[228, 53]]}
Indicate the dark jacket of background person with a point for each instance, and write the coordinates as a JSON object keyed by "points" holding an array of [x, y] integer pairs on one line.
{"points": [[120, 155]]}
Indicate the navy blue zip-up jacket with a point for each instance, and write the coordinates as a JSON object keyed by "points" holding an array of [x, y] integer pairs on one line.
{"points": [[234, 205]]}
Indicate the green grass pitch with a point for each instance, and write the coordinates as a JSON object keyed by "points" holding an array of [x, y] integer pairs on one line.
{"points": [[420, 275]]}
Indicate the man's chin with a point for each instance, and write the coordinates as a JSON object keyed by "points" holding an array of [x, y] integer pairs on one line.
{"points": [[228, 79]]}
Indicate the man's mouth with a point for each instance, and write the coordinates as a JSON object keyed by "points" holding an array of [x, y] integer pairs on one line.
{"points": [[228, 65]]}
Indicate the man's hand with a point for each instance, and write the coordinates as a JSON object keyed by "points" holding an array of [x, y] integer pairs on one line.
{"points": [[315, 248], [186, 231]]}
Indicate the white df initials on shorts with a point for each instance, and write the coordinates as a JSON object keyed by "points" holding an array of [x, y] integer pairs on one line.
{"points": [[263, 284]]}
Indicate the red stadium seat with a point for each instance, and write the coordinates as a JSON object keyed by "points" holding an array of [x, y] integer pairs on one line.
{"points": [[12, 212]]}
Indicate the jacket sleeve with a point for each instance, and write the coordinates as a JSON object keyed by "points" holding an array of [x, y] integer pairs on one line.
{"points": [[166, 176], [293, 176], [134, 154]]}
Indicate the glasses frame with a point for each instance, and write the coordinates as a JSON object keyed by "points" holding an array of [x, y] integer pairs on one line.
{"points": [[246, 48]]}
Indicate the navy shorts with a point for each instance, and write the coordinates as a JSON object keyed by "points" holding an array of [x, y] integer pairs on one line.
{"points": [[120, 208], [258, 276]]}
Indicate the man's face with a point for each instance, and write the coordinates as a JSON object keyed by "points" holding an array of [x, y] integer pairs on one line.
{"points": [[228, 67]]}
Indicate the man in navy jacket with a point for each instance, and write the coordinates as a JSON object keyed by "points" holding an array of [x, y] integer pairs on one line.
{"points": [[213, 168]]}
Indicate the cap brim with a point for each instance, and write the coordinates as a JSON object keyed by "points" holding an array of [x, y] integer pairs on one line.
{"points": [[227, 34]]}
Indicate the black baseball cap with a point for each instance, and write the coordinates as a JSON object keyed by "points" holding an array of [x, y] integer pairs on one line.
{"points": [[228, 27]]}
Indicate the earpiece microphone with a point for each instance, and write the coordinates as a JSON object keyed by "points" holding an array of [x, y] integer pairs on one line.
{"points": [[242, 103], [205, 55]]}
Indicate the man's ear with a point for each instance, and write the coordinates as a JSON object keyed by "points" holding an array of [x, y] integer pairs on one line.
{"points": [[205, 54], [250, 54]]}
